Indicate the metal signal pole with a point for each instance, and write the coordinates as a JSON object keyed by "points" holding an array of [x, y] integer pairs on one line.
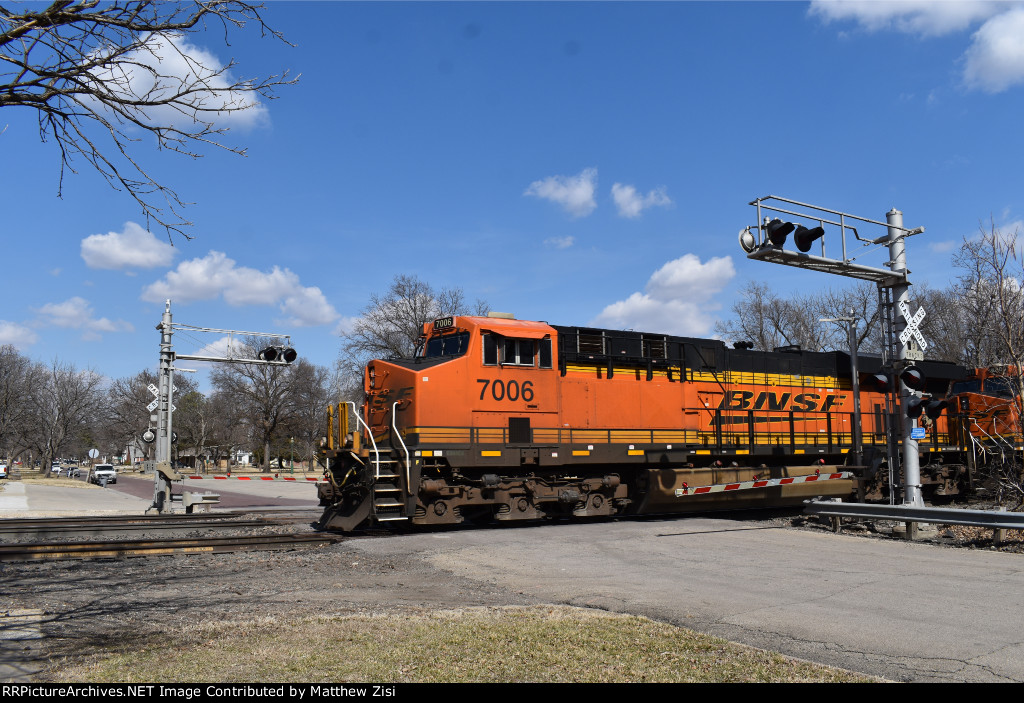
{"points": [[901, 298], [280, 353], [765, 240]]}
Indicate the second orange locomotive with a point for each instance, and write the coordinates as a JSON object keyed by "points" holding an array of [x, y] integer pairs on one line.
{"points": [[497, 418]]}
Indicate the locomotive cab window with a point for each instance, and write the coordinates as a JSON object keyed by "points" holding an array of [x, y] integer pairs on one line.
{"points": [[446, 345], [508, 351]]}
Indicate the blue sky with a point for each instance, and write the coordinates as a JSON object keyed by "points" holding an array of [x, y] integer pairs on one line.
{"points": [[580, 163]]}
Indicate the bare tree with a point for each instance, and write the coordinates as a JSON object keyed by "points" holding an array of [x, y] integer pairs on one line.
{"points": [[769, 321], [99, 74], [263, 391], [64, 404], [311, 394], [228, 429], [15, 385], [993, 283], [392, 323]]}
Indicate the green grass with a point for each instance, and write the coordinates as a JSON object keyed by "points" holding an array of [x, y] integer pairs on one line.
{"points": [[539, 644]]}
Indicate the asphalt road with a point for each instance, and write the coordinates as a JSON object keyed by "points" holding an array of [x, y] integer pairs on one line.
{"points": [[902, 611]]}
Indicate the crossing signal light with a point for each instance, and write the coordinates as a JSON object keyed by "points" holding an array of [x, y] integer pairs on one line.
{"points": [[804, 237], [934, 408], [878, 382], [913, 379], [931, 408], [777, 231], [280, 354]]}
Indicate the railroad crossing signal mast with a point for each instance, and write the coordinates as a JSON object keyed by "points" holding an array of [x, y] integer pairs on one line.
{"points": [[279, 353], [764, 242]]}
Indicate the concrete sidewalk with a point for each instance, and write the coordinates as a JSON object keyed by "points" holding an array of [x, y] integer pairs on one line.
{"points": [[33, 500]]}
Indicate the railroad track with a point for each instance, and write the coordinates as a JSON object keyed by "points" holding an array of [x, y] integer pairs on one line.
{"points": [[38, 551], [105, 524]]}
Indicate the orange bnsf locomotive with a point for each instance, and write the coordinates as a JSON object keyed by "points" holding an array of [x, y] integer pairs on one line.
{"points": [[504, 419], [988, 405]]}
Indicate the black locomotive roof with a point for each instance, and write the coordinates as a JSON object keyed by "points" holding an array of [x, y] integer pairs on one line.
{"points": [[601, 345]]}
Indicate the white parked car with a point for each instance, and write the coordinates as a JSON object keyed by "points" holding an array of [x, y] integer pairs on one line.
{"points": [[103, 473], [3, 470]]}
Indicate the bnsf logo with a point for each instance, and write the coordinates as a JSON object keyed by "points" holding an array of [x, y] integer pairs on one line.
{"points": [[806, 402]]}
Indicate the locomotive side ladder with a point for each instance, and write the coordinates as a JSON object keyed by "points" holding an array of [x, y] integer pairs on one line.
{"points": [[388, 492], [389, 488]]}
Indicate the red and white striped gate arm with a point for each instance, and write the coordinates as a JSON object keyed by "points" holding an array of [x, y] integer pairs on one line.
{"points": [[258, 478], [759, 483]]}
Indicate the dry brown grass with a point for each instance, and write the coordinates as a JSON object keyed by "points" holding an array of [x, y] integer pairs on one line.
{"points": [[538, 644]]}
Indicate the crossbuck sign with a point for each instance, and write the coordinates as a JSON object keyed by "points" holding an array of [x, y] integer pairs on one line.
{"points": [[913, 323]]}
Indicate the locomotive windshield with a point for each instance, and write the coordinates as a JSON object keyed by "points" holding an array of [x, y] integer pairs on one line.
{"points": [[446, 345], [999, 387], [966, 387], [995, 387]]}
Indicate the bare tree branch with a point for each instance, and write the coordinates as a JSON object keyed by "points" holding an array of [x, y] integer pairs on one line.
{"points": [[100, 75]]}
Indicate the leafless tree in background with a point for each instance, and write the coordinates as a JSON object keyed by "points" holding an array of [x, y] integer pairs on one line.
{"points": [[311, 393], [63, 407], [769, 321], [228, 431], [100, 74], [126, 401], [264, 393], [391, 325], [17, 378], [993, 288]]}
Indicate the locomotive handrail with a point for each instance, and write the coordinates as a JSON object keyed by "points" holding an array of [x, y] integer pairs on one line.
{"points": [[369, 433], [997, 440], [394, 426]]}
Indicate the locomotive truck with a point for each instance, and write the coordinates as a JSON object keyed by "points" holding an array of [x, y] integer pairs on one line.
{"points": [[496, 418]]}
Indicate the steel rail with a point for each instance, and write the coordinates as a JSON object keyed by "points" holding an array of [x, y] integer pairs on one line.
{"points": [[39, 551], [86, 526]]}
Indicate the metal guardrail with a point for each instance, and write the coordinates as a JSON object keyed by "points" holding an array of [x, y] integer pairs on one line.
{"points": [[990, 519]]}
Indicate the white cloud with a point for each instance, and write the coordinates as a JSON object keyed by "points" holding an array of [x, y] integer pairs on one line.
{"points": [[922, 17], [216, 275], [134, 247], [631, 203], [169, 64], [77, 314], [559, 242], [942, 247], [677, 299], [995, 59], [16, 335], [346, 325], [574, 193]]}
